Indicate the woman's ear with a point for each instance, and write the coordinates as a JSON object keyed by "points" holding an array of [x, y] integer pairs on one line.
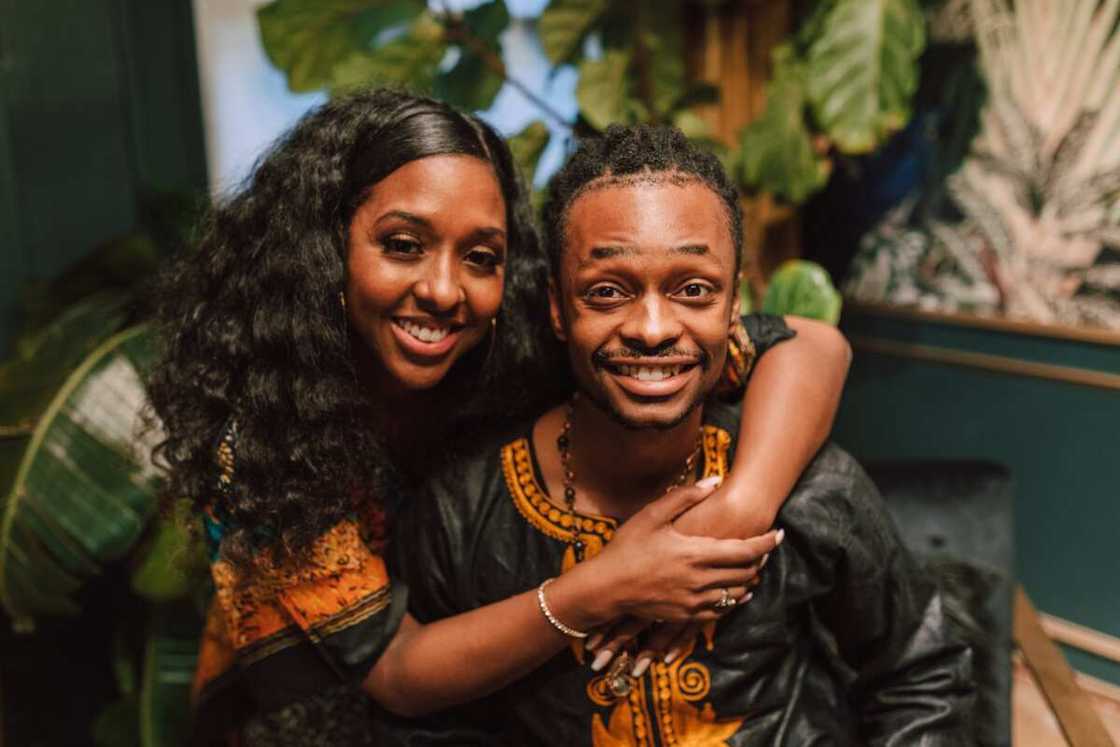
{"points": [[556, 312]]}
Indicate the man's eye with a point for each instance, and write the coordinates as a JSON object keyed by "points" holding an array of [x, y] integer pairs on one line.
{"points": [[401, 245], [695, 290]]}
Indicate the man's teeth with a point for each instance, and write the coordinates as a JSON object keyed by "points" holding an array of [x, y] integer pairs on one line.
{"points": [[650, 373], [422, 333]]}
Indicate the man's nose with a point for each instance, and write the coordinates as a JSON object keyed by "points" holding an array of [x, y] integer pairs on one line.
{"points": [[439, 288], [651, 324]]}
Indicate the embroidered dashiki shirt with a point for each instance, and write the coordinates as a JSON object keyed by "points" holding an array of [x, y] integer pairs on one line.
{"points": [[844, 642]]}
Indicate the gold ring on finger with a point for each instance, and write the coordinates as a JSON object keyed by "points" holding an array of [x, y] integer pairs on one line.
{"points": [[726, 601]]}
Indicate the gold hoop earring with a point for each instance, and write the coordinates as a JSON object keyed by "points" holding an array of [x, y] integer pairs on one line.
{"points": [[493, 340]]}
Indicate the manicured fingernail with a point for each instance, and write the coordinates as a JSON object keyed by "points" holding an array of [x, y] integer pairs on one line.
{"points": [[602, 659], [671, 656], [594, 641], [763, 563], [709, 482], [747, 597], [781, 535], [641, 666]]}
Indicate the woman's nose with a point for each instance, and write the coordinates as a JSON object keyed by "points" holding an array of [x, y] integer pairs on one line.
{"points": [[439, 288]]}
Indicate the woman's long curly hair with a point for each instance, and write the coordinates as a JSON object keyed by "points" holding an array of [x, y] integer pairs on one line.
{"points": [[253, 331]]}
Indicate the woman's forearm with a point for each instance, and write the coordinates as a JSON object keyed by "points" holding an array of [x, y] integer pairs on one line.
{"points": [[787, 413], [429, 667]]}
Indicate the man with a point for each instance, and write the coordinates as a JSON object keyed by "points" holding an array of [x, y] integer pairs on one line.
{"points": [[842, 643]]}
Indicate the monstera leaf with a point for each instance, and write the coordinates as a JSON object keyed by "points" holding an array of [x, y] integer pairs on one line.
{"points": [[803, 289], [527, 147], [410, 60], [601, 91], [81, 487], [863, 70], [777, 154], [565, 24], [308, 39]]}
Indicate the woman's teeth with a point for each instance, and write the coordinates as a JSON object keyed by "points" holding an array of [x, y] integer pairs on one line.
{"points": [[422, 333], [650, 373]]}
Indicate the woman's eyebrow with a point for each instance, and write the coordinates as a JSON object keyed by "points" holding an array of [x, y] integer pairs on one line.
{"points": [[406, 216]]}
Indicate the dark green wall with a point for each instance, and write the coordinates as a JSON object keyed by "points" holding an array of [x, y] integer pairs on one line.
{"points": [[99, 109], [1061, 441]]}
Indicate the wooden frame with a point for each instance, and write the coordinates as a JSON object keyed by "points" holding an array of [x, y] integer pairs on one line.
{"points": [[1078, 721], [1095, 335]]}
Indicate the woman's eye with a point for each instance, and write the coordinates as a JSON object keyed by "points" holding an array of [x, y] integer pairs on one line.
{"points": [[401, 245], [485, 258]]}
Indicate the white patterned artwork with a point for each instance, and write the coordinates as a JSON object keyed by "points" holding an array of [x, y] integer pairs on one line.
{"points": [[1034, 233]]}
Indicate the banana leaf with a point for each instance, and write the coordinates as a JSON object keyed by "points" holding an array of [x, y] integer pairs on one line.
{"points": [[170, 656], [83, 487]]}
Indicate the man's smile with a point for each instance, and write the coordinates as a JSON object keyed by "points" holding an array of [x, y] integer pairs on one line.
{"points": [[651, 377]]}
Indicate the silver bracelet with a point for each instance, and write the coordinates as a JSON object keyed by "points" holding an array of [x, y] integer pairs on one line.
{"points": [[570, 632]]}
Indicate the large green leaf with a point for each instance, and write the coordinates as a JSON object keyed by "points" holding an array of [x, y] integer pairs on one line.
{"points": [[601, 91], [528, 145], [470, 85], [411, 60], [863, 70], [170, 657], [85, 486], [777, 154], [802, 288], [43, 360], [169, 561], [308, 39], [565, 24]]}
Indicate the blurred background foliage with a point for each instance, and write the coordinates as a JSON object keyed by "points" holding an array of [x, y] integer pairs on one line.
{"points": [[842, 82]]}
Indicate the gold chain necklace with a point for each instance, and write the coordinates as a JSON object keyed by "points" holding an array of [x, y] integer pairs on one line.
{"points": [[564, 446], [618, 678]]}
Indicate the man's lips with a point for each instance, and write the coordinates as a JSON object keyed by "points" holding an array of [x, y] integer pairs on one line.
{"points": [[651, 377], [425, 338]]}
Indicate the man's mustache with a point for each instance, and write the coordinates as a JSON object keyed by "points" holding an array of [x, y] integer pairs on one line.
{"points": [[604, 357]]}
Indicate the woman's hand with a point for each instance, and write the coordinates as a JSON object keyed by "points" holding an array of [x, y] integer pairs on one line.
{"points": [[653, 571]]}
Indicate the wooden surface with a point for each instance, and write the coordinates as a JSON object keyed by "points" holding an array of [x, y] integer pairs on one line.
{"points": [[1074, 713]]}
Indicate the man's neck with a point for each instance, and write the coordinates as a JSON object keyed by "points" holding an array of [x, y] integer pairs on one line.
{"points": [[617, 469]]}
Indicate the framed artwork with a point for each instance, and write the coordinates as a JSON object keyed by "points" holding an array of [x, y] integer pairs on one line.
{"points": [[1024, 231]]}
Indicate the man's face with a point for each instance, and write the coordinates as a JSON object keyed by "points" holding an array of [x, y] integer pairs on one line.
{"points": [[645, 297]]}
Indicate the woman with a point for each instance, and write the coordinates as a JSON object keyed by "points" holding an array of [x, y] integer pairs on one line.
{"points": [[372, 295]]}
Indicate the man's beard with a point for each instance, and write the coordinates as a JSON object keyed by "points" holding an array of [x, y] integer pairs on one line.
{"points": [[604, 404]]}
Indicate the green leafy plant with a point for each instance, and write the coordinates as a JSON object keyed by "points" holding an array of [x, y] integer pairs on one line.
{"points": [[78, 488], [842, 82]]}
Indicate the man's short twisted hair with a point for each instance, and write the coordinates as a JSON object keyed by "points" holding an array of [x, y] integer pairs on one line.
{"points": [[633, 154]]}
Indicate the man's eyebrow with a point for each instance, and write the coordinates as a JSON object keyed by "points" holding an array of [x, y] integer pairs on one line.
{"points": [[691, 249], [606, 252]]}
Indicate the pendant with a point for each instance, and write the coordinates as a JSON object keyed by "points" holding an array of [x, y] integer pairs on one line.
{"points": [[618, 678]]}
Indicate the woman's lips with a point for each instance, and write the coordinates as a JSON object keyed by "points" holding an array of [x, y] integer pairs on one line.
{"points": [[441, 337]]}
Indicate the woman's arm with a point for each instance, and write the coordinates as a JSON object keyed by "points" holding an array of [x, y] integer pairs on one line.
{"points": [[649, 570], [787, 412]]}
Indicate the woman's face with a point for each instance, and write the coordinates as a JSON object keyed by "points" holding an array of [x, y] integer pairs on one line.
{"points": [[425, 264]]}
